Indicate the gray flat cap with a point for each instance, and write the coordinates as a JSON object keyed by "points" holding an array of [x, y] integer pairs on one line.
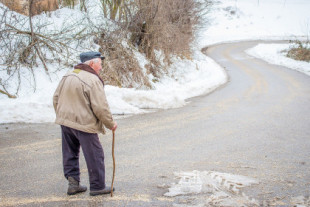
{"points": [[85, 56]]}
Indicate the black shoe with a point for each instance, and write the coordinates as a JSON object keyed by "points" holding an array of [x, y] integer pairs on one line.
{"points": [[106, 190], [75, 187]]}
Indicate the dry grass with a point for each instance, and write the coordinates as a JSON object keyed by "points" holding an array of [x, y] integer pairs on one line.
{"points": [[302, 54], [300, 51], [164, 25], [16, 5], [120, 68]]}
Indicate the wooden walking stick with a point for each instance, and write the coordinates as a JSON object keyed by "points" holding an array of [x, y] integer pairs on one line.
{"points": [[113, 163]]}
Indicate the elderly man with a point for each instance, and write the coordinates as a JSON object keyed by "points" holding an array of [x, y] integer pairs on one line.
{"points": [[82, 111]]}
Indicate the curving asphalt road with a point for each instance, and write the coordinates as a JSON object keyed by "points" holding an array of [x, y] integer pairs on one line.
{"points": [[257, 125]]}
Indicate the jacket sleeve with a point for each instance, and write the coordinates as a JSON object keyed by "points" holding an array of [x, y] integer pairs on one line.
{"points": [[56, 94], [100, 106], [55, 97]]}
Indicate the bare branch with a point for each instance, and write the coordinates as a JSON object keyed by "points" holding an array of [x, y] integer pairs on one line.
{"points": [[6, 93]]}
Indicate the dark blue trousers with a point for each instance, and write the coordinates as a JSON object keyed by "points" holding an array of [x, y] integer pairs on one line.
{"points": [[72, 139]]}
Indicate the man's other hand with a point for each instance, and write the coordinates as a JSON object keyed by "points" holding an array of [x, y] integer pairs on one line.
{"points": [[114, 127]]}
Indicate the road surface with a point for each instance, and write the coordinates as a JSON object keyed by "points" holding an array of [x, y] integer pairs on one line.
{"points": [[257, 125]]}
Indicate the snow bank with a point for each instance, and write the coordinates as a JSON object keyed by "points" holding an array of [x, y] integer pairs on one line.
{"points": [[32, 106], [219, 189], [191, 78], [232, 20], [275, 54]]}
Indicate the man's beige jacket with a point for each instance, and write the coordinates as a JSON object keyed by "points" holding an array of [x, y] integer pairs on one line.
{"points": [[80, 103]]}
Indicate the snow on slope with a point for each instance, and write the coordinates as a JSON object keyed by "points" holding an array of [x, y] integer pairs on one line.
{"points": [[275, 54], [191, 78], [233, 20]]}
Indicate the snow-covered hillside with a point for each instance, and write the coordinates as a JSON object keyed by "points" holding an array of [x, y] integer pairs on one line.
{"points": [[234, 20], [230, 20]]}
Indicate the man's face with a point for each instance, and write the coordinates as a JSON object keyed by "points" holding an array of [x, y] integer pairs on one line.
{"points": [[96, 65]]}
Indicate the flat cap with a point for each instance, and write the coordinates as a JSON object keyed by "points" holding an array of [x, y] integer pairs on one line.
{"points": [[85, 56]]}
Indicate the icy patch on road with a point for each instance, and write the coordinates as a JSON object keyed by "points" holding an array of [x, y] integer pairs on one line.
{"points": [[208, 182], [218, 189]]}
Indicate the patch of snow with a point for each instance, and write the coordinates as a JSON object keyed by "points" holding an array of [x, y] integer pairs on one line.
{"points": [[275, 54], [218, 189]]}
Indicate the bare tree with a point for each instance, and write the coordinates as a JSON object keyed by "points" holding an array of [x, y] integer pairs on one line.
{"points": [[22, 45]]}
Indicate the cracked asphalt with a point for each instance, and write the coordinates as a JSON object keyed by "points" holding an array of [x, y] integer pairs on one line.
{"points": [[256, 125]]}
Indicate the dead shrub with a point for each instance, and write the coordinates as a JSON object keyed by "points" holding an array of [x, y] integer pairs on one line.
{"points": [[19, 6], [155, 26], [72, 3], [120, 68], [118, 10], [69, 3], [165, 25], [38, 6], [300, 52], [24, 47]]}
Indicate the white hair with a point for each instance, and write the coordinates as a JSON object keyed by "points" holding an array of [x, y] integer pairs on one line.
{"points": [[92, 60]]}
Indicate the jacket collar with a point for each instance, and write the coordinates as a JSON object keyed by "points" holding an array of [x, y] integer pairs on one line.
{"points": [[87, 68]]}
